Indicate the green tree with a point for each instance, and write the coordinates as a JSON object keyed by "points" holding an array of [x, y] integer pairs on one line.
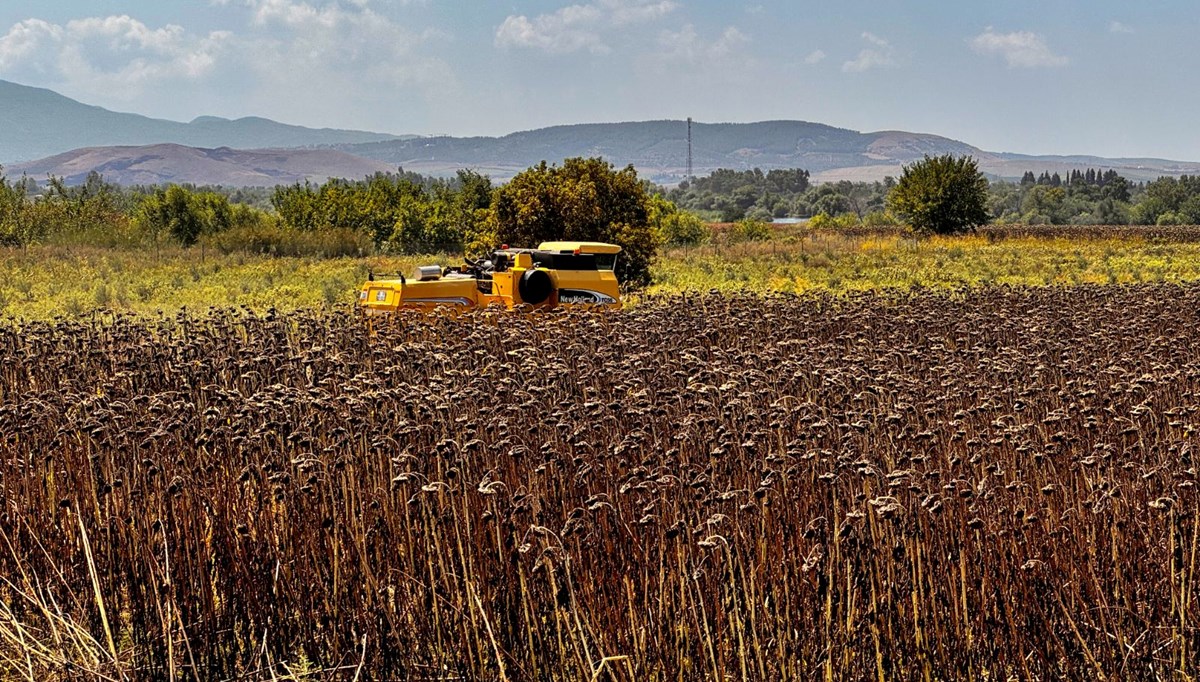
{"points": [[748, 230], [186, 215], [675, 226], [472, 204], [942, 194], [12, 211], [172, 211], [1044, 203], [585, 200], [425, 225]]}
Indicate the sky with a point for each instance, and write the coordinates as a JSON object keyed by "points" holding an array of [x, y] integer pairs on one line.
{"points": [[1099, 77]]}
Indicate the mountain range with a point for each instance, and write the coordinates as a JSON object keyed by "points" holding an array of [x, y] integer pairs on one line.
{"points": [[163, 164], [36, 123], [77, 138]]}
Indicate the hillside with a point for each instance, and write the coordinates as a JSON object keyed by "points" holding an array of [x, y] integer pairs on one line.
{"points": [[172, 163], [659, 150], [36, 123]]}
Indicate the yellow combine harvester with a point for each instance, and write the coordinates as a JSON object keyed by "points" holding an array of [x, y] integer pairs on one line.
{"points": [[554, 274]]}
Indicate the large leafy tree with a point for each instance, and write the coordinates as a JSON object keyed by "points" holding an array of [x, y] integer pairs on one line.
{"points": [[584, 200], [941, 194]]}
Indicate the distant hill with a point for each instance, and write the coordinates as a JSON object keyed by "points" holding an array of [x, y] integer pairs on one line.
{"points": [[36, 123], [172, 163], [660, 147], [659, 150]]}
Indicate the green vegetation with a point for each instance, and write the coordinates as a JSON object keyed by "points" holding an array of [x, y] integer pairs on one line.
{"points": [[398, 213], [676, 227], [1091, 197], [942, 195], [836, 262], [584, 199], [71, 250], [40, 282], [730, 195], [47, 281]]}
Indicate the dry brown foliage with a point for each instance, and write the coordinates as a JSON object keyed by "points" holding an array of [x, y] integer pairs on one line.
{"points": [[995, 484]]}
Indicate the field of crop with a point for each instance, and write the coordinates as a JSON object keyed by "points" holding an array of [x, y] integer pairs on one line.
{"points": [[869, 261], [980, 484], [44, 282]]}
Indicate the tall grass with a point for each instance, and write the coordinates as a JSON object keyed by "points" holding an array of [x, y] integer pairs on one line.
{"points": [[828, 261], [295, 270]]}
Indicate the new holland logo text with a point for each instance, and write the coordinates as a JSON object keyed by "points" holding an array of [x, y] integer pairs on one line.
{"points": [[575, 296]]}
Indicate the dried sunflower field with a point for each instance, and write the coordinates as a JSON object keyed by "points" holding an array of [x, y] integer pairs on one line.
{"points": [[989, 484]]}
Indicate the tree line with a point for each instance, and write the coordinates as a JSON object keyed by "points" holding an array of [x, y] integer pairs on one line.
{"points": [[585, 199], [1082, 197], [581, 199]]}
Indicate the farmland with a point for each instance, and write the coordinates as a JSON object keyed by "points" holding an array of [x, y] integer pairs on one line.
{"points": [[967, 483], [42, 282]]}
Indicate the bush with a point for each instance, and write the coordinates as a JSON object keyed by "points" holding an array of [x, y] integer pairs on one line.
{"points": [[271, 238], [761, 215], [824, 221], [879, 219], [748, 230], [674, 226], [1171, 218]]}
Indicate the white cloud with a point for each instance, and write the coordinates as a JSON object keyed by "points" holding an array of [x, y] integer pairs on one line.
{"points": [[1118, 27], [874, 39], [1020, 49], [333, 39], [579, 27], [288, 59], [693, 60], [815, 57], [569, 29], [316, 57], [625, 12], [116, 55], [687, 46], [880, 55]]}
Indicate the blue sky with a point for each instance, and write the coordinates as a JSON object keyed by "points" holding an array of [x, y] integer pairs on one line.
{"points": [[1052, 76]]}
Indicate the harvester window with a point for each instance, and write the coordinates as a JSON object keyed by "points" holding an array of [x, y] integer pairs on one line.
{"points": [[566, 261], [606, 261]]}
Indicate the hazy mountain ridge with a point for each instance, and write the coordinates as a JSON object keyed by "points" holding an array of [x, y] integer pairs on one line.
{"points": [[40, 123], [36, 123], [171, 163], [659, 150], [660, 147]]}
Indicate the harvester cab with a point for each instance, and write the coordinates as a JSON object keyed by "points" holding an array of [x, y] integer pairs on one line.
{"points": [[554, 274]]}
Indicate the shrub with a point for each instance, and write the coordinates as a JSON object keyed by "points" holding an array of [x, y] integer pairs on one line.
{"points": [[271, 238], [675, 226], [748, 230], [824, 221]]}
